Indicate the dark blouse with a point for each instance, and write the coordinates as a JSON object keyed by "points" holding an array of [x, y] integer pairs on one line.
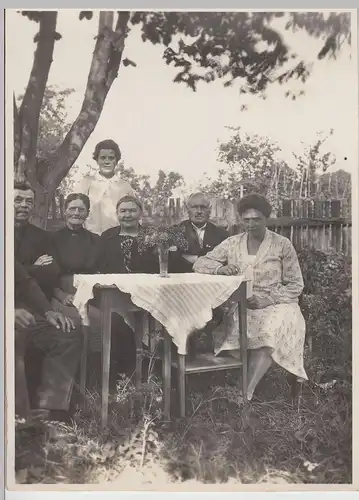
{"points": [[122, 254], [77, 252]]}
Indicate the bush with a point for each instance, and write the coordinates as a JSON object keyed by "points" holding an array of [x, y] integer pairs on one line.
{"points": [[326, 304]]}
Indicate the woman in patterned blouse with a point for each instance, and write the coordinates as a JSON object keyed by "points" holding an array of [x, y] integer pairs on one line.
{"points": [[276, 327], [123, 248]]}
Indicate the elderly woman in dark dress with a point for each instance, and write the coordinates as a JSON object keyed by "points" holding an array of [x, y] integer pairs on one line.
{"points": [[77, 252]]}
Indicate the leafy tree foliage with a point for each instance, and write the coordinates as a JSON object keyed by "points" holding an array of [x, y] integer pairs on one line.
{"points": [[251, 165], [204, 46]]}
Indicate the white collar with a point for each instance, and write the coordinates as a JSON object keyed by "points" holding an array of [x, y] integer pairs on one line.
{"points": [[102, 178], [199, 229]]}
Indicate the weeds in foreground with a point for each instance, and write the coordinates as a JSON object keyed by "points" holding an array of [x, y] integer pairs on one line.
{"points": [[268, 440]]}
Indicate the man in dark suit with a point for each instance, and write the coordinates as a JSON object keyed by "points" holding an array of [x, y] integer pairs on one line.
{"points": [[201, 235], [56, 336], [33, 246]]}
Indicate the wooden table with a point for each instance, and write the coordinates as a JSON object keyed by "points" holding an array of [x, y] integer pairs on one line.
{"points": [[111, 299]]}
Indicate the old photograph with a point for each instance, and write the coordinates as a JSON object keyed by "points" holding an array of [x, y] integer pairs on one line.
{"points": [[180, 216]]}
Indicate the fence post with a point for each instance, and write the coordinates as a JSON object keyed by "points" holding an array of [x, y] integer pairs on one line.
{"points": [[287, 212], [336, 227]]}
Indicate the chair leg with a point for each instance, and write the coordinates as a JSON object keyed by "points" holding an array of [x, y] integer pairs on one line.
{"points": [[139, 348], [182, 383], [296, 387], [166, 374]]}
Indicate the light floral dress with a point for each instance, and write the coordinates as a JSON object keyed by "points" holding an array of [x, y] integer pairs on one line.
{"points": [[275, 273]]}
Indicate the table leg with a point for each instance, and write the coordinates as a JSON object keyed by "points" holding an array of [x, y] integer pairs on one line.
{"points": [[243, 337], [166, 374], [182, 383], [139, 349], [106, 353]]}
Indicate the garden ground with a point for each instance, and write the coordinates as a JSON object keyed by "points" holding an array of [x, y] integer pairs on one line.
{"points": [[267, 440]]}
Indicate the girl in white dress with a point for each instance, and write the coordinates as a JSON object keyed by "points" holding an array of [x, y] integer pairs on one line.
{"points": [[276, 327]]}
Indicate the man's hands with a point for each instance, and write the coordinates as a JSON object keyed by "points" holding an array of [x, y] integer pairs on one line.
{"points": [[230, 270], [44, 260], [23, 319], [255, 302], [58, 320]]}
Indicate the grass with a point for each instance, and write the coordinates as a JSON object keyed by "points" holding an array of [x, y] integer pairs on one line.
{"points": [[269, 440]]}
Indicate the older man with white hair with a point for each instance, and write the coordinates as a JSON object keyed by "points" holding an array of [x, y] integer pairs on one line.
{"points": [[201, 234]]}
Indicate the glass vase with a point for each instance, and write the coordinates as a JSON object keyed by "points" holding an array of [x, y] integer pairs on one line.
{"points": [[163, 252]]}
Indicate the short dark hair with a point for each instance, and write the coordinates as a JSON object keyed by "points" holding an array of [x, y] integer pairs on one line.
{"points": [[255, 201], [107, 144], [128, 197], [23, 186], [78, 196]]}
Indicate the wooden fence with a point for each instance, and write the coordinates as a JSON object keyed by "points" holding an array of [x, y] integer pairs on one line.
{"points": [[324, 225]]}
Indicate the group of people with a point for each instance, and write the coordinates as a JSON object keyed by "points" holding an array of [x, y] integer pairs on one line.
{"points": [[103, 234]]}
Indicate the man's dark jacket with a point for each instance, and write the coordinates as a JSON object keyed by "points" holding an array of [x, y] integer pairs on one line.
{"points": [[28, 295], [213, 236], [30, 243]]}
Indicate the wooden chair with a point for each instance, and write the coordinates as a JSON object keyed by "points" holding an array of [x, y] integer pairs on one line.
{"points": [[208, 362]]}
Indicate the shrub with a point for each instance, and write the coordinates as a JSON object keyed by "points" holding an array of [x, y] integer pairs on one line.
{"points": [[326, 304]]}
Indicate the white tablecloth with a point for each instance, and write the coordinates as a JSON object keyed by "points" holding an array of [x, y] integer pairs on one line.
{"points": [[182, 303]]}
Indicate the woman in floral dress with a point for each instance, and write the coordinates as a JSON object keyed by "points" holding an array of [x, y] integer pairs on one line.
{"points": [[276, 327]]}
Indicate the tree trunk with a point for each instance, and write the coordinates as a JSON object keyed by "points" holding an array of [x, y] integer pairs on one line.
{"points": [[29, 113], [17, 143], [103, 71]]}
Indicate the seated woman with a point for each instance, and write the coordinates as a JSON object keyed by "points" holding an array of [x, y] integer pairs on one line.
{"points": [[276, 327], [124, 248], [77, 252]]}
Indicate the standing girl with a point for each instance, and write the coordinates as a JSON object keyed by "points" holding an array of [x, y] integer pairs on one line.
{"points": [[104, 188]]}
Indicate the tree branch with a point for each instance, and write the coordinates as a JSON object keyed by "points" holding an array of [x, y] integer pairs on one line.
{"points": [[29, 112], [103, 70]]}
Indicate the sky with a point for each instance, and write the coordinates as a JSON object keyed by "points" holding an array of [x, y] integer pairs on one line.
{"points": [[162, 125]]}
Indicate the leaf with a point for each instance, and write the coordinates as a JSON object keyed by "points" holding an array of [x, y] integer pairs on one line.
{"points": [[128, 62], [86, 14]]}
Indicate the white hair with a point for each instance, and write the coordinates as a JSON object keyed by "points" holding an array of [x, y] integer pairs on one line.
{"points": [[197, 194]]}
